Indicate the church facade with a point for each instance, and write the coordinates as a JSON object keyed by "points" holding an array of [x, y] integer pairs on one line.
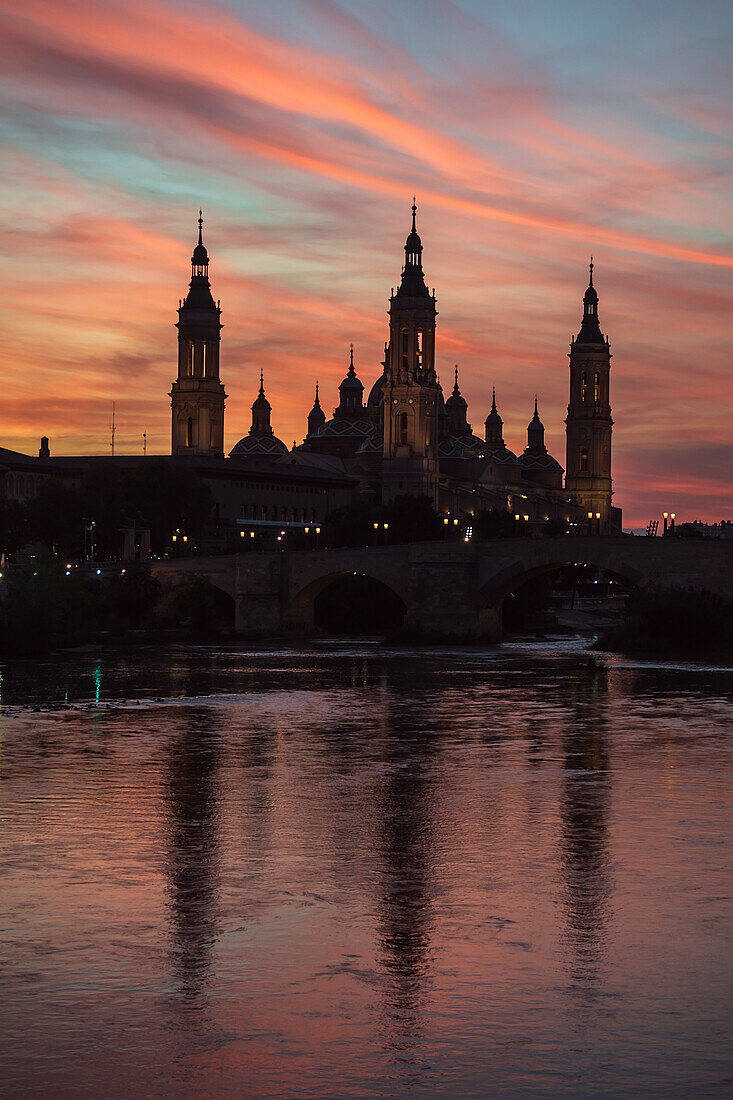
{"points": [[407, 437]]}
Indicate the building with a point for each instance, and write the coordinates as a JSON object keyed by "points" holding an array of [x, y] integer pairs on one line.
{"points": [[405, 438]]}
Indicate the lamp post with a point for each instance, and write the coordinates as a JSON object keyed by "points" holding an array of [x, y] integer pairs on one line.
{"points": [[666, 516], [598, 523], [671, 526]]}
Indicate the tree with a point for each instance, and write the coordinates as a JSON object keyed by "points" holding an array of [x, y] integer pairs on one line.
{"points": [[14, 530], [164, 496], [412, 519]]}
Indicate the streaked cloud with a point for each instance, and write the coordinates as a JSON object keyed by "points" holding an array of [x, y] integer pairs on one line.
{"points": [[304, 130]]}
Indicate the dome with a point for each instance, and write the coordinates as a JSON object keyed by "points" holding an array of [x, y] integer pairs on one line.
{"points": [[346, 427], [502, 455], [413, 242], [456, 399], [532, 460], [200, 257], [261, 403], [375, 394], [258, 445]]}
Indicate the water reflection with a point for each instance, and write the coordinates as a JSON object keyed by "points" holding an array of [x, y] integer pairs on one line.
{"points": [[193, 860], [367, 866], [584, 840], [406, 813]]}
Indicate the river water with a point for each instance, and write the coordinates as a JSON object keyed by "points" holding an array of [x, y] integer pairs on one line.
{"points": [[363, 873]]}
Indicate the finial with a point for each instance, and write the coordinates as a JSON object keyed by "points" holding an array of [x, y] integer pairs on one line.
{"points": [[262, 382], [351, 358], [535, 405], [493, 399], [414, 212], [456, 372], [591, 271], [201, 224], [316, 401]]}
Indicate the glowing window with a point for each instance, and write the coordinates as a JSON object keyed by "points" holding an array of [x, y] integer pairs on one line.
{"points": [[597, 387], [583, 385], [583, 462]]}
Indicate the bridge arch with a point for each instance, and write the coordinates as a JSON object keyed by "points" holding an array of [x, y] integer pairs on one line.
{"points": [[199, 602], [498, 586], [301, 613]]}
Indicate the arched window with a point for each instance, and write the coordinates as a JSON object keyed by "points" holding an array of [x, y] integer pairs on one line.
{"points": [[189, 358], [212, 435], [583, 385], [596, 387], [204, 357], [418, 348], [583, 462], [189, 432], [403, 427]]}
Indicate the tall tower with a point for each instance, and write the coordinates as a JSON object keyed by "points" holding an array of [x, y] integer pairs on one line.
{"points": [[411, 390], [589, 423], [197, 395]]}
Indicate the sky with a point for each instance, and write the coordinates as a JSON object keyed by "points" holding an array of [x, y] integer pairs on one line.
{"points": [[532, 134]]}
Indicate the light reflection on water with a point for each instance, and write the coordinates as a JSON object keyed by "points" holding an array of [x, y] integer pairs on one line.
{"points": [[380, 874]]}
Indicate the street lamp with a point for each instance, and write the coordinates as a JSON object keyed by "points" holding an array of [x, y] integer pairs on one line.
{"points": [[666, 516]]}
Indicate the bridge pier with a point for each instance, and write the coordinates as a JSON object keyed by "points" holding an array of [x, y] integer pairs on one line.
{"points": [[258, 595], [442, 595]]}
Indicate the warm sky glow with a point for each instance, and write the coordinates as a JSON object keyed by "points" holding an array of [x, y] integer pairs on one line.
{"points": [[533, 135]]}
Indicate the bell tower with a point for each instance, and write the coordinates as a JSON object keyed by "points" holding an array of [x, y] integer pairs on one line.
{"points": [[411, 390], [197, 395], [589, 423]]}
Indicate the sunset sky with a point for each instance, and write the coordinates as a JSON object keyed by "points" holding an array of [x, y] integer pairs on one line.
{"points": [[532, 133]]}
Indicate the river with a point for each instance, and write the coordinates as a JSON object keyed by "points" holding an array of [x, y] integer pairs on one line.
{"points": [[365, 873]]}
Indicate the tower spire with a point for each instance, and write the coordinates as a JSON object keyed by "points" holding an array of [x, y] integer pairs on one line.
{"points": [[590, 329], [414, 214], [201, 225], [262, 381]]}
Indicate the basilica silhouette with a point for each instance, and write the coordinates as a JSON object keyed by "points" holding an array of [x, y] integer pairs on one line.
{"points": [[407, 437]]}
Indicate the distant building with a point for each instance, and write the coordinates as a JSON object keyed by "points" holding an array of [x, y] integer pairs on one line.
{"points": [[406, 437]]}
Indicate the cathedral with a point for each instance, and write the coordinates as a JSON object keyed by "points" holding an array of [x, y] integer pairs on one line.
{"points": [[407, 437]]}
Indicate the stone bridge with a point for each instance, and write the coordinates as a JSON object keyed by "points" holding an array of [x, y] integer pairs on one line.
{"points": [[448, 588]]}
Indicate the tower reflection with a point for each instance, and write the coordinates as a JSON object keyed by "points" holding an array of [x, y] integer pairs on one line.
{"points": [[407, 847], [584, 842], [192, 864]]}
